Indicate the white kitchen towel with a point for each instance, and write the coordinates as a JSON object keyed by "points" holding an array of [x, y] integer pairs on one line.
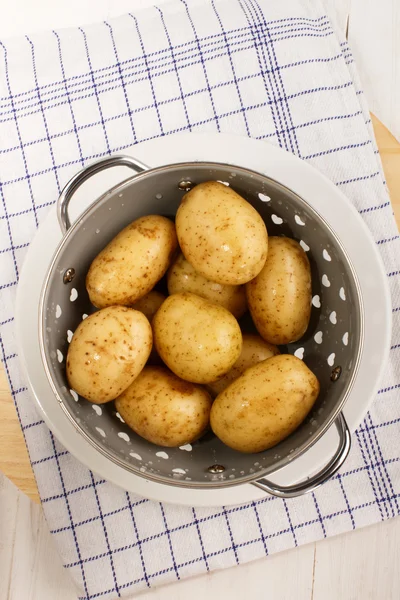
{"points": [[273, 71]]}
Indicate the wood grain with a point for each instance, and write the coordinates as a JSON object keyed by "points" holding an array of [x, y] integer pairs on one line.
{"points": [[14, 460]]}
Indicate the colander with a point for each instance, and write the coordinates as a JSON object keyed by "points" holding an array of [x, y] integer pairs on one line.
{"points": [[331, 347]]}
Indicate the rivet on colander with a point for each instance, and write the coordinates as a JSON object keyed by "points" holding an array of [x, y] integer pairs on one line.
{"points": [[336, 373], [216, 469], [68, 275], [185, 185]]}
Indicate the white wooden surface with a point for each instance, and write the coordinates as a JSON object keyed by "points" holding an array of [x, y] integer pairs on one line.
{"points": [[359, 565]]}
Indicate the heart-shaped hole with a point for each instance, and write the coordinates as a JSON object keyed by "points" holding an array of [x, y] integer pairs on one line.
{"points": [[74, 295], [304, 246], [345, 338], [277, 220], [325, 281], [326, 255], [318, 337], [58, 311], [69, 336], [97, 409], [333, 317], [342, 294], [331, 359], [299, 353], [316, 301], [264, 198], [299, 220], [124, 436]]}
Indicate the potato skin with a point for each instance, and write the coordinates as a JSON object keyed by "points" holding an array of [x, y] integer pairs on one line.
{"points": [[254, 350], [265, 404], [149, 304], [107, 352], [221, 235], [279, 298], [132, 263], [182, 277], [163, 409], [197, 339]]}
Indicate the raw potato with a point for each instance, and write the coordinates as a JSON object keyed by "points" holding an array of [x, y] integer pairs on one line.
{"points": [[163, 409], [149, 304], [265, 405], [254, 350], [279, 298], [132, 263], [221, 234], [197, 339], [182, 277], [107, 352]]}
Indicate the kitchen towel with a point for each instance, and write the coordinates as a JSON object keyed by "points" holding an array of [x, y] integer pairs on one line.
{"points": [[273, 71]]}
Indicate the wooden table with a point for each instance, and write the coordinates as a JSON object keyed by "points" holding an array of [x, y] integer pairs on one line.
{"points": [[14, 460]]}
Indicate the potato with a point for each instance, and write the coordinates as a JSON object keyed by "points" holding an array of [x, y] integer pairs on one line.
{"points": [[265, 404], [163, 409], [279, 298], [182, 277], [132, 263], [197, 339], [254, 350], [149, 304], [221, 235], [107, 352]]}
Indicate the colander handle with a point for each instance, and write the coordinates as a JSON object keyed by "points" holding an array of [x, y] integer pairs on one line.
{"points": [[303, 487], [83, 175]]}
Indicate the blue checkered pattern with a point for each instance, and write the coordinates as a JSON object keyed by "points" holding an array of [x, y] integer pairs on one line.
{"points": [[272, 71]]}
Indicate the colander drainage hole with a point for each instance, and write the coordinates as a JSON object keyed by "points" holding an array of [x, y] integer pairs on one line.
{"points": [[223, 183], [74, 395], [60, 356], [333, 317], [318, 337], [84, 316], [316, 301], [299, 353], [264, 198], [342, 294], [326, 255], [58, 311], [119, 417], [134, 455], [97, 409], [277, 220], [101, 431], [124, 436], [178, 471], [187, 447], [74, 294], [69, 336], [299, 220], [304, 246], [331, 359], [325, 281], [162, 455], [345, 338]]}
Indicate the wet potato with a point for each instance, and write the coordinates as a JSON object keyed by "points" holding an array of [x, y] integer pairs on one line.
{"points": [[279, 298], [197, 339], [163, 409], [132, 263], [265, 404], [221, 235], [254, 350], [107, 352], [182, 277]]}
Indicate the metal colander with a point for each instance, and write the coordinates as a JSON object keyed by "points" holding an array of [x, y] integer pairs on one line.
{"points": [[331, 346]]}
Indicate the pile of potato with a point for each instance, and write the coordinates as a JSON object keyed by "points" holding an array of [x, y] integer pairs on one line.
{"points": [[163, 359]]}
